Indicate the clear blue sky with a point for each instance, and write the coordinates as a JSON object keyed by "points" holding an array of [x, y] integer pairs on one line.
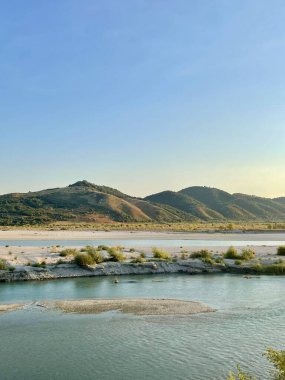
{"points": [[143, 95]]}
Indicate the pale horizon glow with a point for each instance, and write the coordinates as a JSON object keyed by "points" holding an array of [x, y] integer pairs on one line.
{"points": [[143, 96]]}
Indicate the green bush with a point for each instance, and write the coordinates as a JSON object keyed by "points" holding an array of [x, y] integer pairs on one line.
{"points": [[281, 250], [208, 260], [277, 358], [68, 252], [83, 259], [247, 254], [232, 253], [160, 254], [238, 262], [277, 269], [219, 260], [3, 264], [139, 260], [115, 255], [39, 265], [202, 254], [102, 247]]}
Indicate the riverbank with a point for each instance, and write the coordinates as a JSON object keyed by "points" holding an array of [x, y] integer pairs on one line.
{"points": [[42, 234], [44, 261], [190, 267]]}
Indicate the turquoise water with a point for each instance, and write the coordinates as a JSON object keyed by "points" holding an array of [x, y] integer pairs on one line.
{"points": [[36, 344], [144, 242]]}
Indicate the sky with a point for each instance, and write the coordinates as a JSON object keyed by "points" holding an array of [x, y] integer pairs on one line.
{"points": [[143, 95]]}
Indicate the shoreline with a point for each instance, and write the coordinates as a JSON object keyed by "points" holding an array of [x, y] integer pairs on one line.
{"points": [[116, 269], [88, 234]]}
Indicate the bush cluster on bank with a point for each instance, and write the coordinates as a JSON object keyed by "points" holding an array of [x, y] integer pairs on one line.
{"points": [[92, 255], [246, 254], [160, 254], [281, 250]]}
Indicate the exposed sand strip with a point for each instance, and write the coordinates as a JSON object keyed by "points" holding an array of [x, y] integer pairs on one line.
{"points": [[136, 306], [10, 307]]}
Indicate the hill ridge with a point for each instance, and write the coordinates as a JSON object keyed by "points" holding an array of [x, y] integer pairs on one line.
{"points": [[85, 201]]}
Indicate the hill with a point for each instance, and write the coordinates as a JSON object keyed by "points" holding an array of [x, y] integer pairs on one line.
{"points": [[84, 201]]}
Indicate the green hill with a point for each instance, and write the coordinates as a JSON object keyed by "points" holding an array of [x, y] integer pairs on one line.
{"points": [[84, 201]]}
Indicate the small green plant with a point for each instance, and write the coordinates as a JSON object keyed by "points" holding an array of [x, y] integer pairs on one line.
{"points": [[208, 260], [247, 254], [202, 254], [281, 250], [132, 250], [240, 375], [277, 358], [238, 262], [232, 253], [3, 264], [219, 260], [139, 260], [11, 269], [102, 247], [273, 269], [39, 265], [115, 254], [160, 254], [83, 259], [68, 252]]}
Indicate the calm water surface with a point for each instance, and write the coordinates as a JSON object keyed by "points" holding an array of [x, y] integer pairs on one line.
{"points": [[37, 344], [147, 242]]}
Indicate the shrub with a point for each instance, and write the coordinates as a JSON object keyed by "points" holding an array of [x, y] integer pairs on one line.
{"points": [[277, 269], [277, 358], [219, 260], [3, 265], [281, 250], [83, 259], [202, 254], [208, 260], [39, 265], [94, 253], [238, 262], [232, 253], [102, 247], [160, 254], [11, 269], [240, 375], [68, 252], [247, 254], [139, 260], [115, 255], [132, 250]]}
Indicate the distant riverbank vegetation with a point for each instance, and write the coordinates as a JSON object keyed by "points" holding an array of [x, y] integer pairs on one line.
{"points": [[157, 227]]}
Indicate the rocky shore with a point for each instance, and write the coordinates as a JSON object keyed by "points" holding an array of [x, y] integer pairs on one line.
{"points": [[51, 272]]}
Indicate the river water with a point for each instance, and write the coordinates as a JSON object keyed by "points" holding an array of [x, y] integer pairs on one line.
{"points": [[39, 344]]}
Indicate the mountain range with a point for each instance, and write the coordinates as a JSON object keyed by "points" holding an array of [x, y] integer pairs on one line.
{"points": [[84, 201]]}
